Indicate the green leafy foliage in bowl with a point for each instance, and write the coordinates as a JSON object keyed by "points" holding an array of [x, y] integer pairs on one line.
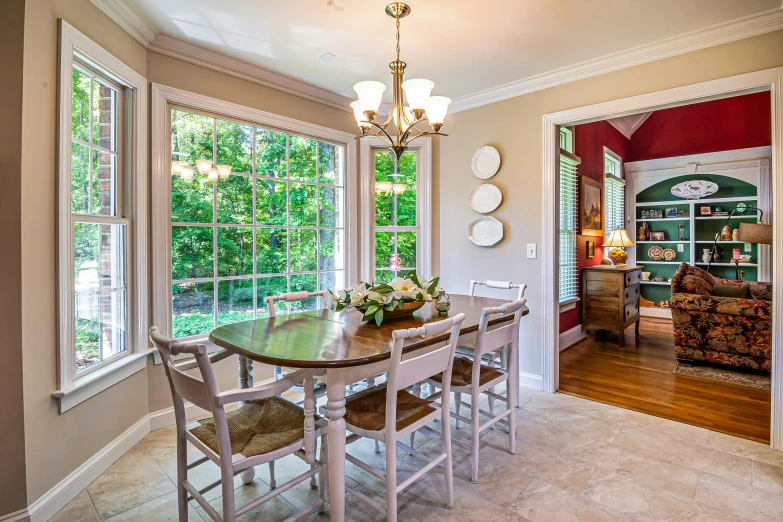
{"points": [[375, 300]]}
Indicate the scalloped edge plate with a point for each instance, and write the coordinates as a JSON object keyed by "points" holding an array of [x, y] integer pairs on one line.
{"points": [[485, 231], [485, 162], [669, 254], [485, 198]]}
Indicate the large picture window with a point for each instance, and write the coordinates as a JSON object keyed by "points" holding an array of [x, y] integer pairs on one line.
{"points": [[275, 224]]}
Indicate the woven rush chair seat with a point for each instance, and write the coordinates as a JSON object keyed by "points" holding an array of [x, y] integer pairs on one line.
{"points": [[462, 373], [367, 409], [256, 427]]}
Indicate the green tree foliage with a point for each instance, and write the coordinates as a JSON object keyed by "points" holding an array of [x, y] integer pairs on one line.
{"points": [[285, 192]]}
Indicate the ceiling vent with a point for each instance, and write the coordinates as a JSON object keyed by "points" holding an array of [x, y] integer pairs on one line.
{"points": [[326, 56]]}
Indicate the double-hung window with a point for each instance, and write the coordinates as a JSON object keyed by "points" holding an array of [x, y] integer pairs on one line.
{"points": [[101, 219], [275, 224], [569, 190], [614, 192], [396, 211]]}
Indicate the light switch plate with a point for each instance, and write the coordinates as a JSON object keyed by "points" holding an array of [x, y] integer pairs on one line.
{"points": [[747, 247], [531, 250], [680, 247]]}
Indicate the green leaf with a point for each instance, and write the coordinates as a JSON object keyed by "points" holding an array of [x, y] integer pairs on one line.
{"points": [[379, 317], [433, 285], [415, 279]]}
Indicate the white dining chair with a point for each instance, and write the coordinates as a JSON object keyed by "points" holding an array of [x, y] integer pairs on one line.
{"points": [[388, 413], [264, 428], [466, 346], [475, 379]]}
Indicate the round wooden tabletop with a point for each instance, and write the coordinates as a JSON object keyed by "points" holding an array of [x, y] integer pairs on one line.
{"points": [[326, 339]]}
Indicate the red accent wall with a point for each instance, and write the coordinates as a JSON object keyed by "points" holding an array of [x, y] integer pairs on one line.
{"points": [[738, 122], [589, 142]]}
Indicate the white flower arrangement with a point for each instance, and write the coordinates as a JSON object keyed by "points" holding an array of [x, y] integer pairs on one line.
{"points": [[372, 301]]}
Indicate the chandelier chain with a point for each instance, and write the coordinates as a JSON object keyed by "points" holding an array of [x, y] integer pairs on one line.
{"points": [[398, 35]]}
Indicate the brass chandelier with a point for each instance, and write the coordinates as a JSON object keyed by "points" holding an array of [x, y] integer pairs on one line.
{"points": [[421, 105]]}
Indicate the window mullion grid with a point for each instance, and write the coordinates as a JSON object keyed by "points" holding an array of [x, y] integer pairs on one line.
{"points": [[288, 216], [254, 179], [214, 228], [89, 152]]}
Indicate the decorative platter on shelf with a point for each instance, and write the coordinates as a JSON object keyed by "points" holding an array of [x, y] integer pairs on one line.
{"points": [[694, 189], [669, 254], [485, 231], [486, 162], [655, 253], [485, 198]]}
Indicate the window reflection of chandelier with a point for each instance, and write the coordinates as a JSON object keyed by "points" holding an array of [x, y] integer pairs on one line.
{"points": [[205, 167], [417, 93]]}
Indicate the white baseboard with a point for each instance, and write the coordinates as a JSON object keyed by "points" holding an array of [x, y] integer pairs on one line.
{"points": [[571, 337], [56, 498], [23, 515], [529, 380]]}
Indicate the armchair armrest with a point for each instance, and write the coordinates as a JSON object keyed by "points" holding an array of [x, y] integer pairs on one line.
{"points": [[752, 308], [265, 391], [214, 357]]}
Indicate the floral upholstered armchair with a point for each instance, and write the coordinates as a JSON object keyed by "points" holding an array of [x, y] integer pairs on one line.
{"points": [[711, 327]]}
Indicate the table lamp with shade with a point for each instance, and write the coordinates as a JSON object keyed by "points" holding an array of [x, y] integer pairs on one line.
{"points": [[618, 238]]}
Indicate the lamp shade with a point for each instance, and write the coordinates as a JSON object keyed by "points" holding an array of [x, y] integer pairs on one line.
{"points": [[417, 91], [755, 233], [437, 107], [618, 238], [370, 94], [361, 119]]}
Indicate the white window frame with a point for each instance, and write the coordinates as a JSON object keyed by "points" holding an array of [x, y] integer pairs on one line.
{"points": [[423, 148], [619, 176], [163, 100], [72, 388]]}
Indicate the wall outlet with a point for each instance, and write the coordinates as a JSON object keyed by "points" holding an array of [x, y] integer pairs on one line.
{"points": [[680, 247], [747, 247], [531, 250]]}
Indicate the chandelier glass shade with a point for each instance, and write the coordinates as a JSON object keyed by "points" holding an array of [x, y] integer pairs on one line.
{"points": [[417, 92], [204, 167]]}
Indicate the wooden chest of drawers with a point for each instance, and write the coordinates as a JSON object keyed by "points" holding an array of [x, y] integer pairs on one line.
{"points": [[610, 298]]}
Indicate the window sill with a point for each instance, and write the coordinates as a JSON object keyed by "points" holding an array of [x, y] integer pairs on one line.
{"points": [[99, 380], [569, 305]]}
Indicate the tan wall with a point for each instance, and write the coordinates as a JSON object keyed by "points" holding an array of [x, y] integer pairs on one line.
{"points": [[12, 472], [514, 128]]}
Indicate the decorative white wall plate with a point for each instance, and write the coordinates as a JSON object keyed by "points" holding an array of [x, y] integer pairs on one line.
{"points": [[486, 162], [695, 189], [485, 198], [485, 231]]}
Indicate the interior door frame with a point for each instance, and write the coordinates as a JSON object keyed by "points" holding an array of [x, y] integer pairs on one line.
{"points": [[766, 80]]}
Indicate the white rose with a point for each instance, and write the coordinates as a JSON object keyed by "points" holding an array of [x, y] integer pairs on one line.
{"points": [[404, 288], [357, 298], [334, 300], [379, 297]]}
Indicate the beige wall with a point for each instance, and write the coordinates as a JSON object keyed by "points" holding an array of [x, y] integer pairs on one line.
{"points": [[12, 472], [514, 128]]}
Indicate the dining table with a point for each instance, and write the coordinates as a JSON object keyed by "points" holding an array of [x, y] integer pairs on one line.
{"points": [[347, 350]]}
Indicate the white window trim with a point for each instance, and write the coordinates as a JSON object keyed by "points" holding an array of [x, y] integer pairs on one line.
{"points": [[163, 98], [423, 204], [72, 391]]}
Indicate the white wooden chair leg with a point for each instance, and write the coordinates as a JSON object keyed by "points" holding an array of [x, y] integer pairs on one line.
{"points": [[182, 476], [370, 381], [475, 421], [272, 481], [377, 447], [457, 403], [416, 389], [391, 481], [313, 481], [227, 486], [413, 435], [323, 475], [491, 401], [512, 415], [448, 468]]}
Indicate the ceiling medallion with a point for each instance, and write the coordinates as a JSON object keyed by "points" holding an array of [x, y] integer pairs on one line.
{"points": [[421, 105]]}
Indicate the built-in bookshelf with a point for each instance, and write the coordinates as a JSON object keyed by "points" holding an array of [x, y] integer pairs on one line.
{"points": [[743, 177]]}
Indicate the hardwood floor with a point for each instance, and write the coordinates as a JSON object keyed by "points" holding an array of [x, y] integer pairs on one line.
{"points": [[639, 377]]}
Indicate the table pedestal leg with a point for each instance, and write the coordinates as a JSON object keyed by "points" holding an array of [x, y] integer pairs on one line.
{"points": [[245, 367], [335, 394]]}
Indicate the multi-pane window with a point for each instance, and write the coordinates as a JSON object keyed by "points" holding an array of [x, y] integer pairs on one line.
{"points": [[614, 193], [274, 225], [396, 227], [99, 230], [569, 188]]}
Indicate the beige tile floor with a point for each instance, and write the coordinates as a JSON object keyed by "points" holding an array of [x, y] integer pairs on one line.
{"points": [[575, 460]]}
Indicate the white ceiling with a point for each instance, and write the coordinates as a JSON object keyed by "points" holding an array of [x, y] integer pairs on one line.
{"points": [[463, 46]]}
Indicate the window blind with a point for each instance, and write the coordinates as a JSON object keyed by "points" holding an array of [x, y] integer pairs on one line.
{"points": [[614, 203], [569, 189]]}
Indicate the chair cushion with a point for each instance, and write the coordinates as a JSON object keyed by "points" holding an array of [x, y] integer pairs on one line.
{"points": [[255, 428], [367, 409], [737, 292], [462, 374]]}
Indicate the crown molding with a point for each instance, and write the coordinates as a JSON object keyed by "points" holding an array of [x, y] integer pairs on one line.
{"points": [[128, 19], [187, 52], [726, 32], [627, 125]]}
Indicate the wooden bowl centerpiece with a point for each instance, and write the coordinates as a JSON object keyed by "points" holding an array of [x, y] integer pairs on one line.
{"points": [[399, 298]]}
